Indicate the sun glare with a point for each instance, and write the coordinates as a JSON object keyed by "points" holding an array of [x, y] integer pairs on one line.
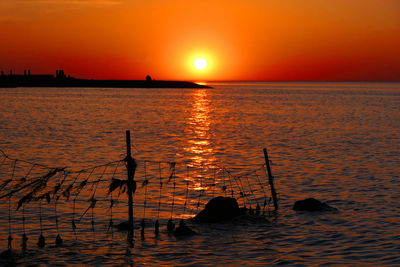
{"points": [[200, 63]]}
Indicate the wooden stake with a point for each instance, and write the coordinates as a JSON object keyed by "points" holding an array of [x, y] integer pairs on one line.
{"points": [[131, 167], [271, 180]]}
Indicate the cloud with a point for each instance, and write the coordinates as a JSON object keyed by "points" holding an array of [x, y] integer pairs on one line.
{"points": [[9, 18], [14, 11], [72, 2]]}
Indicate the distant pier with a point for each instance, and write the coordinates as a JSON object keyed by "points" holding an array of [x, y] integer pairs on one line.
{"points": [[27, 79]]}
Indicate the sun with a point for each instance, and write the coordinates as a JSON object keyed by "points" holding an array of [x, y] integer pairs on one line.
{"points": [[200, 63]]}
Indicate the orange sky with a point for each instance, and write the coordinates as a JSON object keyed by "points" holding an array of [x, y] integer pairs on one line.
{"points": [[241, 40]]}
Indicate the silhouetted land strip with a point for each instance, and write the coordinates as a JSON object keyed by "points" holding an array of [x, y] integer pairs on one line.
{"points": [[61, 80]]}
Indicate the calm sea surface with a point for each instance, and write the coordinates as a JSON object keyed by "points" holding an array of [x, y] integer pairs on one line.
{"points": [[337, 142]]}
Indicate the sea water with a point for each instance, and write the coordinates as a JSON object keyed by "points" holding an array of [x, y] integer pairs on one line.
{"points": [[336, 142]]}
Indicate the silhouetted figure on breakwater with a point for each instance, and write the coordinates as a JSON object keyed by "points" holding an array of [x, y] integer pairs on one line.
{"points": [[60, 74]]}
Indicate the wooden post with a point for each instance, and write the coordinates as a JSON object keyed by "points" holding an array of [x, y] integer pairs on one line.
{"points": [[271, 180], [131, 167]]}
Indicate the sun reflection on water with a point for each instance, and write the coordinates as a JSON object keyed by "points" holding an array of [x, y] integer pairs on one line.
{"points": [[199, 146]]}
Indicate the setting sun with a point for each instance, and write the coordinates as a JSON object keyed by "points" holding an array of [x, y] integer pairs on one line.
{"points": [[200, 63]]}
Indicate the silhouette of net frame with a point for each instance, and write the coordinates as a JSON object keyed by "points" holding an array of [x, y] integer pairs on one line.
{"points": [[72, 198]]}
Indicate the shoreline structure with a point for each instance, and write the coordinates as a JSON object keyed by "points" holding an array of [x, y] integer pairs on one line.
{"points": [[61, 80]]}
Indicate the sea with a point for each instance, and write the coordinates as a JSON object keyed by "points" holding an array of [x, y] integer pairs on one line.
{"points": [[336, 142]]}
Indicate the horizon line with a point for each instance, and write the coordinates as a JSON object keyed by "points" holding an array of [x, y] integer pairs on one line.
{"points": [[296, 81], [221, 81]]}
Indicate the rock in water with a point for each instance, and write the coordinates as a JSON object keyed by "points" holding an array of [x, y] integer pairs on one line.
{"points": [[8, 258], [124, 226], [311, 204], [183, 230], [219, 209], [8, 255]]}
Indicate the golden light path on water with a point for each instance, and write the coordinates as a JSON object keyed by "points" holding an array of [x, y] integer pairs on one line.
{"points": [[198, 145]]}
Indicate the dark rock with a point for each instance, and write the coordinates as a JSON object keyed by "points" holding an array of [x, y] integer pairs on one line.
{"points": [[183, 230], [8, 258], [311, 204], [123, 226], [219, 209], [8, 254]]}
